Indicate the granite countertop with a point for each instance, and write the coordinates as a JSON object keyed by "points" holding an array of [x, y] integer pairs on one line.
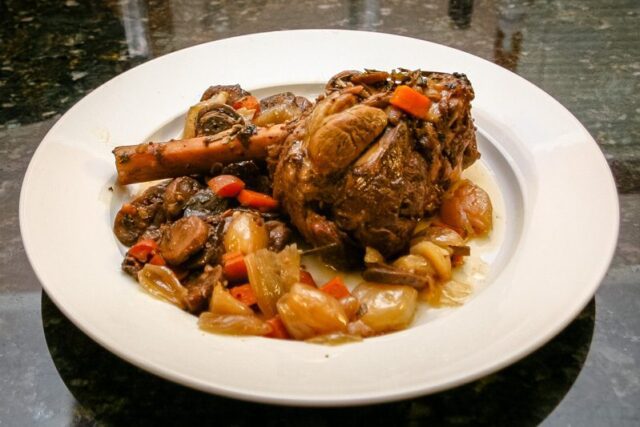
{"points": [[585, 53]]}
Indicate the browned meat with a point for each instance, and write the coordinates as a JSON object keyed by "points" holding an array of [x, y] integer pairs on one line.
{"points": [[252, 173], [183, 238], [199, 290], [279, 235], [389, 177], [357, 170], [134, 218]]}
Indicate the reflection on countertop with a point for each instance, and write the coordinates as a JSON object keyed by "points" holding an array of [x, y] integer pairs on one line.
{"points": [[585, 53]]}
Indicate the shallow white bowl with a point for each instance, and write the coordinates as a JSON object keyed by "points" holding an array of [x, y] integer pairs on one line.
{"points": [[558, 216]]}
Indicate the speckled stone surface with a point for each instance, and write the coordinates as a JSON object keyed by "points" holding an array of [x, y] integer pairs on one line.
{"points": [[586, 54]]}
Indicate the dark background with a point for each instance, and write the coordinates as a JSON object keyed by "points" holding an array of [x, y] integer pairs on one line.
{"points": [[586, 54]]}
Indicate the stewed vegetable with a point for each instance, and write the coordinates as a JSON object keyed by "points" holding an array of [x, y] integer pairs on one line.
{"points": [[216, 239]]}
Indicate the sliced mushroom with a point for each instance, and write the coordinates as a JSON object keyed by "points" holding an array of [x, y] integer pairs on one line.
{"points": [[198, 109], [216, 118], [144, 211], [183, 238], [234, 92], [178, 192], [205, 203], [392, 276], [280, 108]]}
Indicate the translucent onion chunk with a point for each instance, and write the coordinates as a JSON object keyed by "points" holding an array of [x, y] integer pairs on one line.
{"points": [[271, 275], [246, 233], [222, 302], [162, 283], [448, 294], [437, 256], [467, 207], [335, 338], [307, 312], [233, 324], [389, 307]]}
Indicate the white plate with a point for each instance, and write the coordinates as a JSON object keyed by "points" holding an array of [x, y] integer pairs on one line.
{"points": [[559, 221]]}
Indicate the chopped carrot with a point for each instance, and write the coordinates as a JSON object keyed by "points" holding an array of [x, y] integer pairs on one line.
{"points": [[229, 255], [278, 330], [336, 288], [307, 278], [260, 201], [157, 259], [244, 293], [411, 101], [249, 102], [234, 268], [143, 250], [226, 185]]}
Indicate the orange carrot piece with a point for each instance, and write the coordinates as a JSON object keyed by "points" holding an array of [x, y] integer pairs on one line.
{"points": [[226, 185], [157, 259], [278, 330], [143, 250], [229, 255], [260, 201], [244, 293], [411, 101], [234, 268], [249, 102], [336, 288], [307, 278]]}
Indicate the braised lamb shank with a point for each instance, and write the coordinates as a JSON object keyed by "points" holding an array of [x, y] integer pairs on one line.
{"points": [[356, 171]]}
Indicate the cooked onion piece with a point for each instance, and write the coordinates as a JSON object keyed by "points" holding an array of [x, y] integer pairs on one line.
{"points": [[372, 256], [389, 307], [222, 302], [415, 264], [335, 338], [162, 283], [307, 312], [246, 233], [437, 256], [467, 208], [271, 275], [233, 324], [443, 236], [351, 306], [448, 294], [360, 328]]}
